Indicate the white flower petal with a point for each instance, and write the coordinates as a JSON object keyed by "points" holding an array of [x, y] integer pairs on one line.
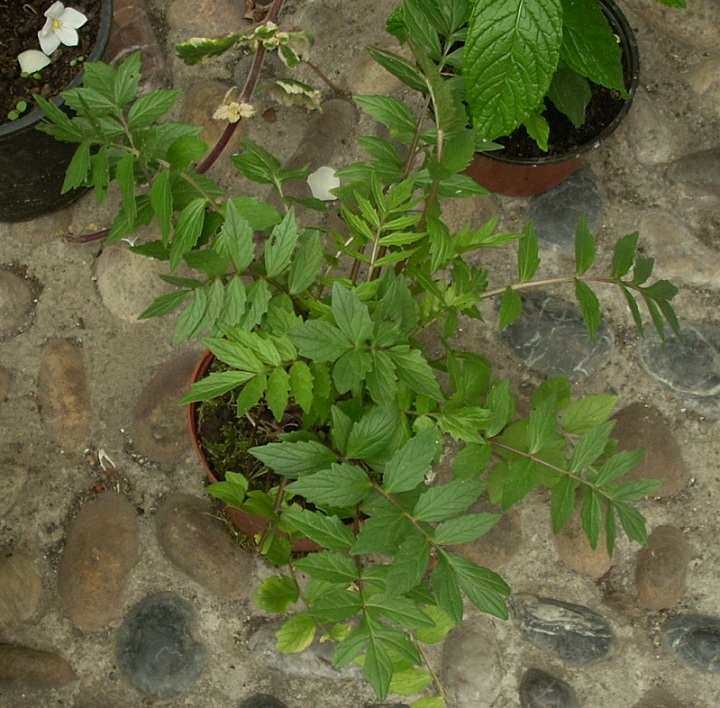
{"points": [[48, 39], [73, 18], [68, 36], [32, 60], [55, 10], [321, 182]]}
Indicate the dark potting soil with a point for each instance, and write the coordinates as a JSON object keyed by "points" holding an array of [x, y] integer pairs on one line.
{"points": [[565, 138], [20, 21]]}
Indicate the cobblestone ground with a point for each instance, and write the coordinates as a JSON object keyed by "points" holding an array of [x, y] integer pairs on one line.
{"points": [[118, 584]]}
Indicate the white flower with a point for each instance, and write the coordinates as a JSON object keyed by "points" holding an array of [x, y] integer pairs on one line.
{"points": [[233, 111], [60, 28], [32, 60], [321, 182]]}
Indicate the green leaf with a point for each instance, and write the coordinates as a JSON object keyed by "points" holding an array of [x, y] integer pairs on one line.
{"points": [[632, 521], [624, 255], [234, 354], [236, 238], [185, 150], [585, 250], [378, 668], [462, 529], [590, 446], [484, 588], [618, 465], [637, 489], [336, 605], [471, 460], [528, 253], [519, 480], [216, 384], [408, 565], [542, 424], [161, 199], [200, 49], [408, 682], [511, 308], [393, 114], [511, 52], [125, 176], [570, 93], [278, 389], [251, 393], [328, 531], [256, 164], [306, 264], [126, 80], [332, 567], [501, 404], [192, 317], [537, 128], [77, 170], [589, 45], [372, 434], [164, 304], [591, 516], [232, 490], [350, 370], [296, 634], [381, 533], [414, 370], [340, 486], [301, 385], [295, 459], [447, 591], [276, 594], [351, 315], [150, 107], [409, 465], [381, 380], [587, 412], [399, 67], [589, 306], [442, 624], [259, 214], [443, 501], [235, 300], [400, 610], [319, 340], [562, 502], [187, 230], [280, 246]]}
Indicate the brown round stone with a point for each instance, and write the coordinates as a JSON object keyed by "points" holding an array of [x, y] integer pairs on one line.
{"points": [[20, 590], [22, 668], [641, 426], [497, 547], [573, 549], [199, 544], [16, 299], [101, 549], [661, 568]]}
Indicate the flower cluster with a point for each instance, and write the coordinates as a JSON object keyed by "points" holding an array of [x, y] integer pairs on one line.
{"points": [[60, 27]]}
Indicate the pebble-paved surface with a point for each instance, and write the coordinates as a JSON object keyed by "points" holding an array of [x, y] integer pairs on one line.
{"points": [[118, 584]]}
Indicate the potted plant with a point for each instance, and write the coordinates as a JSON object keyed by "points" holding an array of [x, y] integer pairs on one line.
{"points": [[327, 328], [543, 82], [44, 45]]}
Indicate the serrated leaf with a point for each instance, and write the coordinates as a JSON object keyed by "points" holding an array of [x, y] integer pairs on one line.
{"points": [[399, 67], [199, 49], [636, 489], [378, 668], [340, 486], [186, 150], [231, 490], [216, 384], [589, 307], [392, 113], [187, 230], [306, 264], [276, 594], [336, 606], [618, 465], [329, 531], [624, 255], [585, 250], [277, 393], [471, 460], [192, 317], [447, 591], [281, 245], [319, 340], [296, 634], [382, 533], [463, 529], [351, 369], [372, 434], [591, 516], [126, 80], [381, 380], [483, 587], [528, 254], [329, 566], [251, 393], [519, 480], [415, 371], [590, 446], [511, 307], [161, 199], [351, 314], [409, 465], [511, 52], [632, 521], [408, 682], [570, 93], [562, 502], [301, 385], [587, 412], [408, 565], [400, 610], [77, 170], [446, 500], [442, 624], [542, 424], [150, 107], [295, 459], [235, 239], [164, 304]]}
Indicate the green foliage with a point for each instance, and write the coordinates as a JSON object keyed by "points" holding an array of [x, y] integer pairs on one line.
{"points": [[325, 330]]}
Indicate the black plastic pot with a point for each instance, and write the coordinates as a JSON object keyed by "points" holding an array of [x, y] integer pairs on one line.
{"points": [[516, 176], [33, 164]]}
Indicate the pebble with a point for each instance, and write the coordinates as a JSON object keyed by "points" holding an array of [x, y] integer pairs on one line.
{"points": [[155, 649], [64, 394], [698, 170], [5, 380], [16, 303], [497, 547], [705, 80], [691, 368], [184, 524], [539, 689], [205, 18], [316, 661], [26, 669], [12, 482], [129, 283], [100, 551], [472, 664], [556, 213], [21, 590], [642, 426], [695, 641], [661, 568], [573, 549], [699, 26], [197, 105], [133, 32], [659, 698], [647, 133], [551, 338], [572, 632], [159, 427], [262, 700]]}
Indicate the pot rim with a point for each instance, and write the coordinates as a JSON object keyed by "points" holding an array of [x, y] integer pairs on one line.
{"points": [[98, 49], [628, 43]]}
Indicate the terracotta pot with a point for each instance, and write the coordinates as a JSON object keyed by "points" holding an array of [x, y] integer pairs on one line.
{"points": [[249, 524], [33, 164], [515, 176]]}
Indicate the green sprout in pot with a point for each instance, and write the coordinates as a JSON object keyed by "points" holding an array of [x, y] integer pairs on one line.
{"points": [[330, 324]]}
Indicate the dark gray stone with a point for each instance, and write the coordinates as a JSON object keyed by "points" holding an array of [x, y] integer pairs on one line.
{"points": [[556, 213], [542, 690], [262, 700], [550, 337], [155, 649], [695, 640], [573, 632], [689, 368], [700, 170]]}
